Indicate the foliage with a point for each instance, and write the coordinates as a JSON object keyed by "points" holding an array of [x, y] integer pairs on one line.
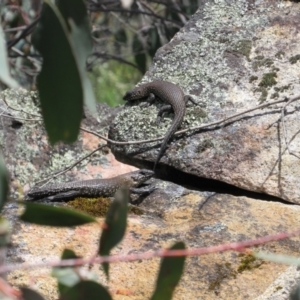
{"points": [[128, 35], [111, 80], [63, 88]]}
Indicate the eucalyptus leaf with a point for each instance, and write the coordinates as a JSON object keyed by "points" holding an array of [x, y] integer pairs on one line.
{"points": [[295, 294], [139, 54], [75, 16], [115, 224], [89, 290], [4, 68], [59, 83], [53, 216], [29, 294], [3, 183], [278, 258], [170, 272]]}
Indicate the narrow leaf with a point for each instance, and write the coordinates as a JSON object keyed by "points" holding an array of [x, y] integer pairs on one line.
{"points": [[170, 272], [59, 82], [295, 294], [4, 69], [29, 294], [3, 182], [116, 221], [154, 41], [86, 290], [53, 216], [66, 276], [5, 232], [75, 15], [278, 258], [139, 54]]}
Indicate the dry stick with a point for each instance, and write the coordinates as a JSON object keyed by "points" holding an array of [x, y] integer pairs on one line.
{"points": [[158, 139], [284, 129], [18, 118], [20, 110], [69, 167], [192, 128], [236, 246]]}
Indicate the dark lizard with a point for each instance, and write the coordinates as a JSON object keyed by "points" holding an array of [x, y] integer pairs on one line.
{"points": [[168, 92], [92, 188]]}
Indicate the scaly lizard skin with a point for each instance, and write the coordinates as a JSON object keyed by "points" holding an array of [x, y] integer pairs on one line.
{"points": [[93, 187], [168, 92]]}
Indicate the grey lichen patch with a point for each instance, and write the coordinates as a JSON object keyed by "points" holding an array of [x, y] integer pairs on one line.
{"points": [[279, 54], [253, 78], [243, 47], [33, 158], [221, 273], [264, 94], [194, 116], [136, 123], [260, 61], [282, 88], [268, 80], [294, 59], [204, 145], [274, 95]]}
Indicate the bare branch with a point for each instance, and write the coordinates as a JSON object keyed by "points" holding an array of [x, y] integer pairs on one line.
{"points": [[235, 246], [28, 30], [203, 126]]}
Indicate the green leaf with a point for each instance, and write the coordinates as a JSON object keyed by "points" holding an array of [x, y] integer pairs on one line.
{"points": [[278, 258], [53, 216], [139, 54], [154, 41], [116, 221], [86, 290], [29, 294], [295, 294], [75, 16], [170, 272], [120, 36], [69, 254], [5, 233], [4, 69], [66, 276], [3, 183], [59, 82]]}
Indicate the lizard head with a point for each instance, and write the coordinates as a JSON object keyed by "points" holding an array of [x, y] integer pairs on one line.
{"points": [[136, 93], [140, 176]]}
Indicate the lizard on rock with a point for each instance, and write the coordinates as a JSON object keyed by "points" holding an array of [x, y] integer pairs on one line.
{"points": [[92, 188], [167, 92]]}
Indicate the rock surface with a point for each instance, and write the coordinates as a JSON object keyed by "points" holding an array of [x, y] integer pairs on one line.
{"points": [[215, 58], [171, 214], [231, 56]]}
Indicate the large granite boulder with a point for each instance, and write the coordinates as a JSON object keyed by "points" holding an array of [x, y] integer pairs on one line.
{"points": [[216, 58], [231, 56]]}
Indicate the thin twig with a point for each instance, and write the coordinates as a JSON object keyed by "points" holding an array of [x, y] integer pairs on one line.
{"points": [[28, 30], [235, 246], [284, 129], [203, 126], [18, 118], [58, 173], [33, 60], [14, 29], [19, 110]]}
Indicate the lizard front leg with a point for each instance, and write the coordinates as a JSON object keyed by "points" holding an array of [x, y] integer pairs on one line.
{"points": [[163, 109]]}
